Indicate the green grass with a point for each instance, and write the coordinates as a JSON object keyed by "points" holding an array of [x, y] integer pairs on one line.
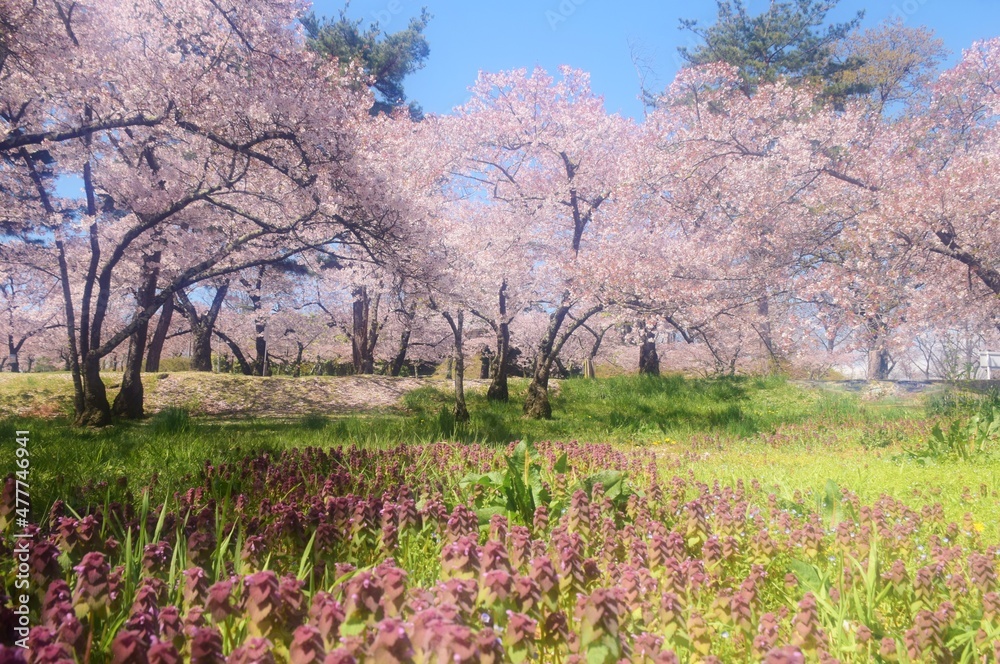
{"points": [[960, 487], [649, 410], [739, 422]]}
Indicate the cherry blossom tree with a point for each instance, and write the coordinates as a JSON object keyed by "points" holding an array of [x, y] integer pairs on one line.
{"points": [[209, 141], [949, 157], [547, 149], [27, 311]]}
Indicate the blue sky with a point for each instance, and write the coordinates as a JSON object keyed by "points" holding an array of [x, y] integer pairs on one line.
{"points": [[599, 36]]}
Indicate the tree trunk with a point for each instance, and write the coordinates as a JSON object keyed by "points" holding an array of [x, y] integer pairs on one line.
{"points": [[879, 359], [260, 367], [766, 335], [73, 357], [879, 364], [12, 350], [498, 390], [128, 402], [649, 360], [201, 346], [96, 409], [536, 403], [245, 367], [155, 351], [364, 331], [202, 326], [399, 361], [457, 324]]}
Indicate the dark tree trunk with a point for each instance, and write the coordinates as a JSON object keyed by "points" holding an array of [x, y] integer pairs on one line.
{"points": [[201, 346], [297, 370], [536, 403], [498, 390], [457, 324], [364, 330], [649, 360], [879, 364], [879, 359], [12, 351], [202, 326], [407, 315], [399, 361], [96, 409], [128, 403], [73, 357], [245, 367], [155, 351], [260, 367]]}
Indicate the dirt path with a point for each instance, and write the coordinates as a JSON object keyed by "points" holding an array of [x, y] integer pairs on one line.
{"points": [[877, 389], [224, 395]]}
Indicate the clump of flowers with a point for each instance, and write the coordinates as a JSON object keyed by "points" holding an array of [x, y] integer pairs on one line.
{"points": [[403, 562]]}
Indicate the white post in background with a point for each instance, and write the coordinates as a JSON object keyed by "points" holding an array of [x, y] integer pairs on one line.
{"points": [[989, 360]]}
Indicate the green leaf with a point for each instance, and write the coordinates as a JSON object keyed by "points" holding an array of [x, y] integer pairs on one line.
{"points": [[304, 565], [562, 463], [486, 513], [599, 654], [611, 479], [807, 575]]}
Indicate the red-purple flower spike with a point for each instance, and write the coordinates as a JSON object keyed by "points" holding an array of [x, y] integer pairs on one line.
{"points": [[219, 600], [93, 583], [206, 646], [391, 644], [460, 559], [598, 617], [293, 602], [195, 586], [807, 632], [163, 653], [785, 655], [362, 595], [393, 582], [767, 635], [307, 646], [578, 516], [263, 602], [327, 615], [540, 525], [43, 563], [256, 650], [129, 647], [983, 573]]}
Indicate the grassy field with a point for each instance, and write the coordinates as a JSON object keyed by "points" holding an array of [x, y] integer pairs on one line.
{"points": [[752, 519], [765, 428]]}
